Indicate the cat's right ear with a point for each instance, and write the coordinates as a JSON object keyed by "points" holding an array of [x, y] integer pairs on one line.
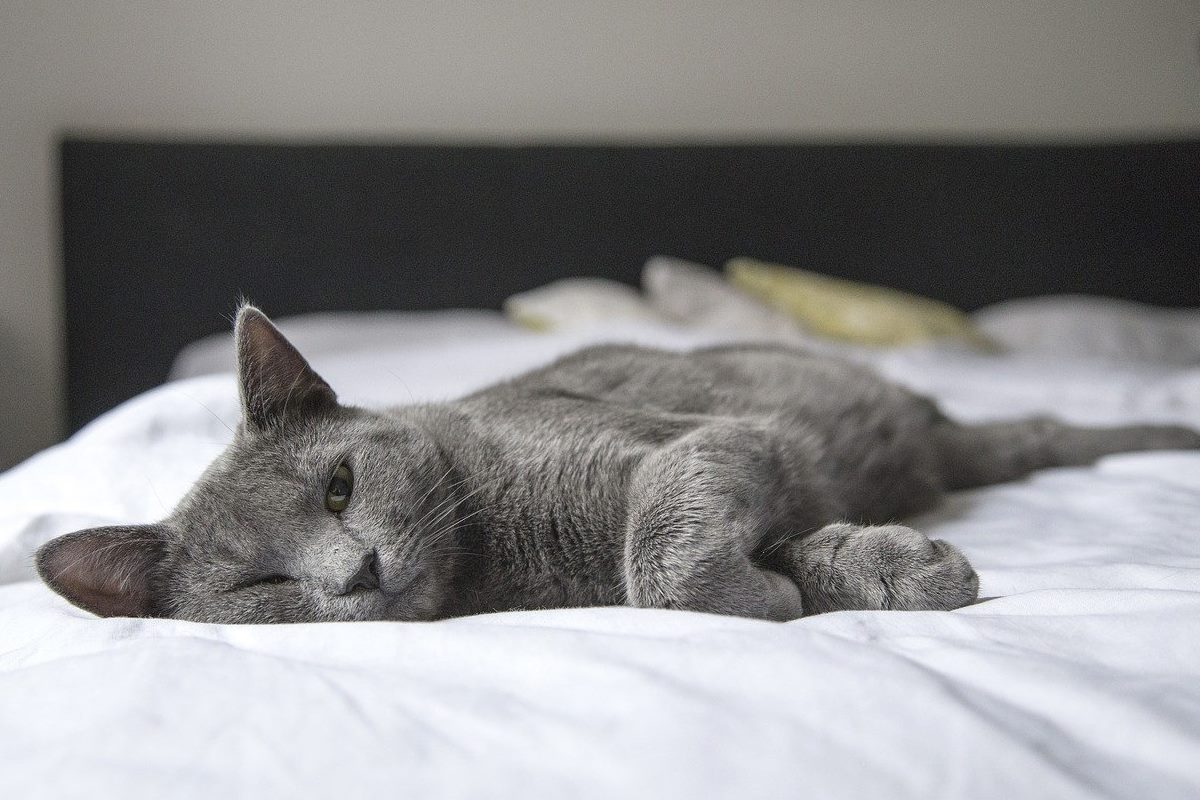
{"points": [[107, 571], [276, 382]]}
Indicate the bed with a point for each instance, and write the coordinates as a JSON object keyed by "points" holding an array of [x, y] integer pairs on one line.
{"points": [[1077, 676]]}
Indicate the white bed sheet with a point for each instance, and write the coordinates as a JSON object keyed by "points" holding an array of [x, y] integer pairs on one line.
{"points": [[1082, 679]]}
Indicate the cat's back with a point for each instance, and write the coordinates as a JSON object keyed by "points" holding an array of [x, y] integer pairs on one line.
{"points": [[609, 394], [727, 380]]}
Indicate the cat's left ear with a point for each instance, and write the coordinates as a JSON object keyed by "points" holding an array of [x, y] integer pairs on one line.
{"points": [[107, 571], [276, 382]]}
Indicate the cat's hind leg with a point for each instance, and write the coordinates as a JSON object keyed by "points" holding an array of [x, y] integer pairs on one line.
{"points": [[843, 567], [979, 455]]}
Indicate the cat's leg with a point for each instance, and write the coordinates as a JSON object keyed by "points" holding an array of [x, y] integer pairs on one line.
{"points": [[698, 511], [979, 455], [845, 566]]}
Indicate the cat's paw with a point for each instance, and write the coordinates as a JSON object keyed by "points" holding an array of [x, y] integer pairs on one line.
{"points": [[882, 567]]}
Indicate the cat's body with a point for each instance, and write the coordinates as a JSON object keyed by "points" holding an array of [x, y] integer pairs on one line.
{"points": [[554, 461], [742, 480]]}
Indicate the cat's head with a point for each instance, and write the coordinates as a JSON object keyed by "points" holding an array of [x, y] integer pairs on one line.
{"points": [[315, 511]]}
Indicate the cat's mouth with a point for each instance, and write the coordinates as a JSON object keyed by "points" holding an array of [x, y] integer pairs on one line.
{"points": [[393, 591], [414, 597]]}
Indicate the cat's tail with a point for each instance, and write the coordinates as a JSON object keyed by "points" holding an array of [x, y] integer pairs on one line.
{"points": [[978, 455]]}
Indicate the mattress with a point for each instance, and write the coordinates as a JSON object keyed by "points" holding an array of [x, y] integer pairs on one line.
{"points": [[1078, 675]]}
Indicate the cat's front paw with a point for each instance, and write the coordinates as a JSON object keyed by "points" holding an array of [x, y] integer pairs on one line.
{"points": [[882, 567]]}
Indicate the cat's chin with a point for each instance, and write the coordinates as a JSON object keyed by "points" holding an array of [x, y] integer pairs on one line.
{"points": [[399, 607]]}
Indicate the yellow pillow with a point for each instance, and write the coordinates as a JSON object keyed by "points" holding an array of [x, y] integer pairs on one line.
{"points": [[853, 312]]}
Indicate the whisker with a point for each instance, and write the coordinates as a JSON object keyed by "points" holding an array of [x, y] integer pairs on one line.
{"points": [[448, 506], [790, 537], [462, 519], [423, 542], [456, 551], [428, 543], [411, 398], [431, 541], [450, 498], [214, 414], [426, 496], [154, 489]]}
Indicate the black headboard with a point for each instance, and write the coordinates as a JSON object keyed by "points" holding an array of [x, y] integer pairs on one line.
{"points": [[160, 239]]}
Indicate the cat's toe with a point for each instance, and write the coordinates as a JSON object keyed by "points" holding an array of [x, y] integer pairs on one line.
{"points": [[946, 582], [917, 573], [883, 567]]}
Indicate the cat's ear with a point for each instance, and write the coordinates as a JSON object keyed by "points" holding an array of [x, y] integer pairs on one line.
{"points": [[276, 382], [107, 571]]}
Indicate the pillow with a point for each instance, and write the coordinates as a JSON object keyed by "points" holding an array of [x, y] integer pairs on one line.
{"points": [[849, 311], [1105, 328], [697, 296], [574, 303]]}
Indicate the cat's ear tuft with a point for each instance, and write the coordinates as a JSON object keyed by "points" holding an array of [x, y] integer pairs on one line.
{"points": [[276, 382], [107, 571]]}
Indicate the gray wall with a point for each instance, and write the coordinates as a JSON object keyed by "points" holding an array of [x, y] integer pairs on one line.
{"points": [[561, 70]]}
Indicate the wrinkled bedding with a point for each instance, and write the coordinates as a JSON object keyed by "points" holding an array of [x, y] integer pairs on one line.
{"points": [[1078, 676]]}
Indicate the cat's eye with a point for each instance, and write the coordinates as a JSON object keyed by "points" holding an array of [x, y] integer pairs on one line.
{"points": [[274, 579], [341, 485]]}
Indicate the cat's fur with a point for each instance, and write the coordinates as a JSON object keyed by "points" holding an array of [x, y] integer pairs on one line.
{"points": [[738, 480]]}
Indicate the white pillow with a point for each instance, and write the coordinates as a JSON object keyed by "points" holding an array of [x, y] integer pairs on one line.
{"points": [[577, 304], [1094, 327]]}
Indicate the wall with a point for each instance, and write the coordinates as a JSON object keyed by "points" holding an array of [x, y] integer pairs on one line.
{"points": [[628, 70]]}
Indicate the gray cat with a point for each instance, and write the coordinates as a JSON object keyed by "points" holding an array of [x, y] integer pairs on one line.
{"points": [[755, 480]]}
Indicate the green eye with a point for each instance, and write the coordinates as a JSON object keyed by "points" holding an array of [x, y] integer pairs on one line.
{"points": [[337, 496]]}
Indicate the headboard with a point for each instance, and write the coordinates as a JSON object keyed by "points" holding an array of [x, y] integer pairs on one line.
{"points": [[160, 239]]}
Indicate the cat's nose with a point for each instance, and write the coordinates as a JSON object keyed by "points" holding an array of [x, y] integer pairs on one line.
{"points": [[367, 576]]}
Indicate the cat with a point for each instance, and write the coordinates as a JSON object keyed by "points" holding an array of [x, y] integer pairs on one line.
{"points": [[754, 480]]}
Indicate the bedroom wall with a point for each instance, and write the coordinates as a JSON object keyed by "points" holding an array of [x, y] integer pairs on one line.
{"points": [[635, 69]]}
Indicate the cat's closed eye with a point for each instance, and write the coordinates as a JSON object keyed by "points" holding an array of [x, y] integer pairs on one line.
{"points": [[274, 579]]}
